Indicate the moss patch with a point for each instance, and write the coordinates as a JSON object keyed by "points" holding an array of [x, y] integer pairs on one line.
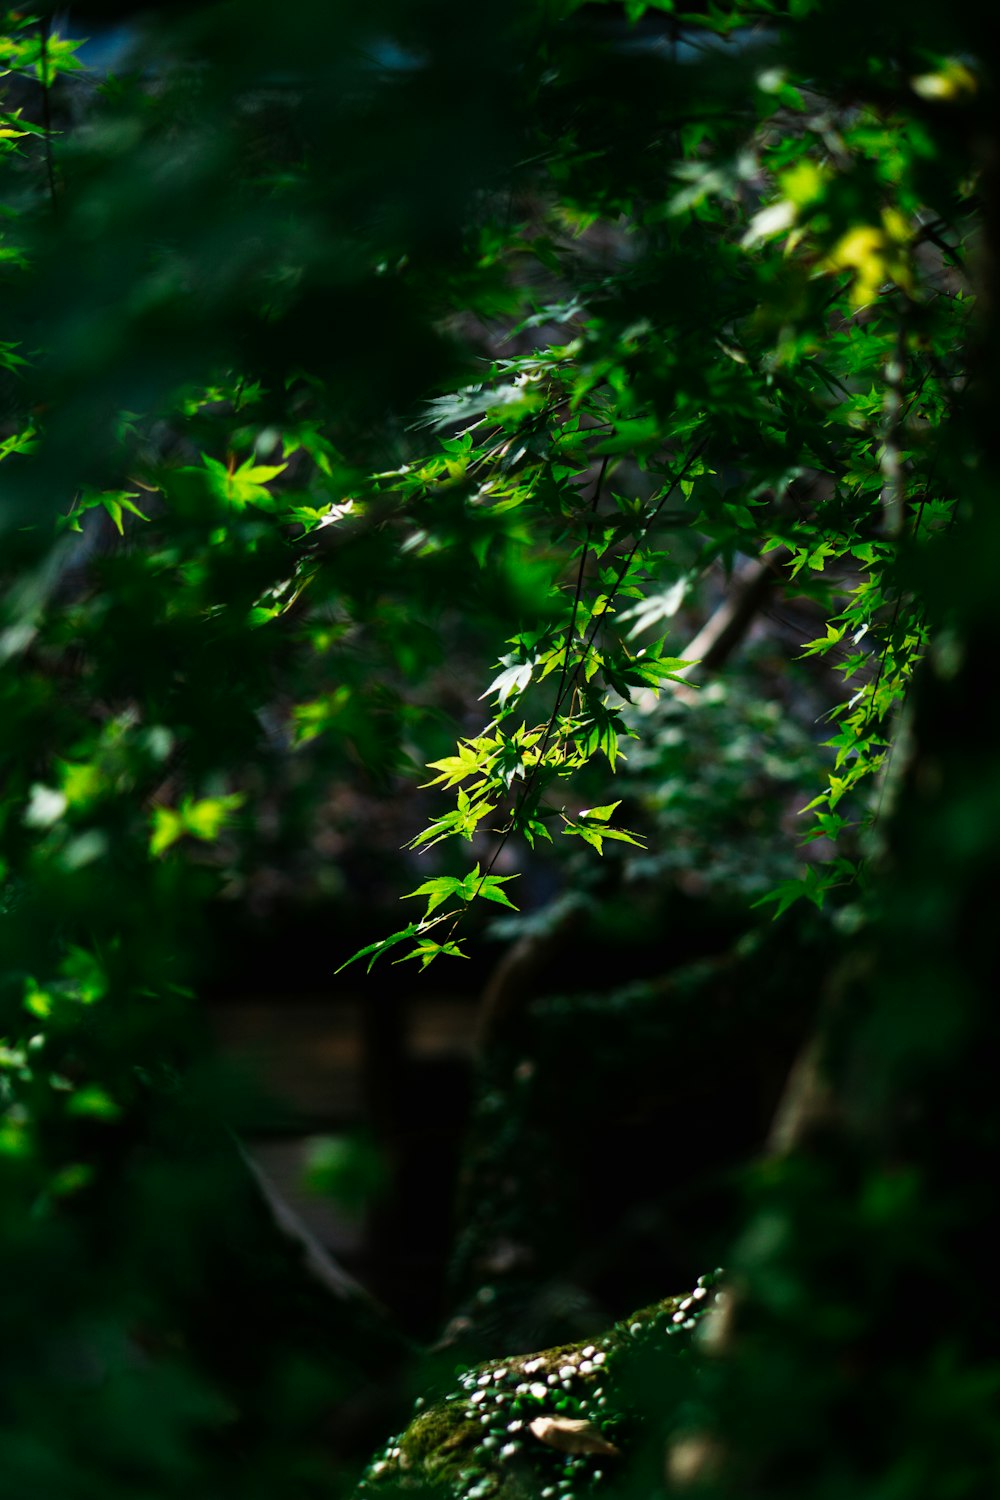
{"points": [[483, 1442]]}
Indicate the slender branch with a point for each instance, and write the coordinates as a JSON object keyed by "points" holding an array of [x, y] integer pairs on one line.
{"points": [[567, 680], [729, 623], [581, 570], [932, 232], [560, 693], [647, 524]]}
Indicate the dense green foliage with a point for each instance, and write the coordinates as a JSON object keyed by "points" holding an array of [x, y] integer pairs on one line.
{"points": [[395, 387]]}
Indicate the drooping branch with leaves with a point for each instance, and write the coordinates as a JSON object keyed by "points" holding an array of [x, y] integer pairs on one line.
{"points": [[382, 392], [813, 427]]}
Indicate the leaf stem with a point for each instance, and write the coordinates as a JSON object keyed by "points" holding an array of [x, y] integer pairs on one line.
{"points": [[564, 685], [581, 570]]}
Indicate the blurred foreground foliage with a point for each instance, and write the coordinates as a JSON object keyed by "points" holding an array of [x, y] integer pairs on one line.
{"points": [[386, 387]]}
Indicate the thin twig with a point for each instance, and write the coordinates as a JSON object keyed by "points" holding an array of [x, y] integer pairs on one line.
{"points": [[577, 593], [567, 681], [650, 521], [581, 570]]}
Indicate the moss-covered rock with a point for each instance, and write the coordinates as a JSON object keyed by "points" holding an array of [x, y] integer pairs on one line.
{"points": [[550, 1424]]}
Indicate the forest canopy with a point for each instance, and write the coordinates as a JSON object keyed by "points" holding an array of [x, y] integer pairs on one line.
{"points": [[558, 439]]}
